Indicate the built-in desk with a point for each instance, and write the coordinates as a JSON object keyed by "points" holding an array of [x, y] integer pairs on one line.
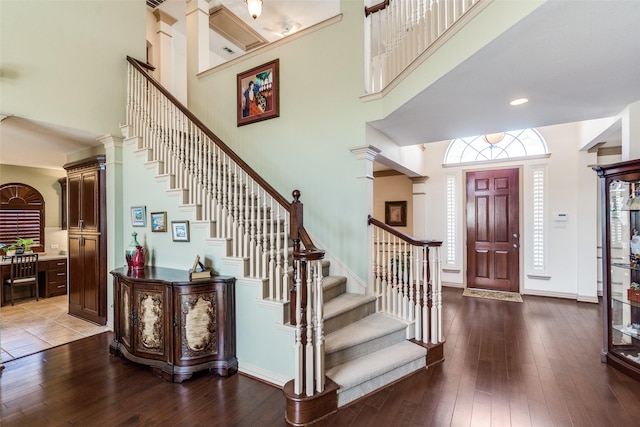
{"points": [[52, 277]]}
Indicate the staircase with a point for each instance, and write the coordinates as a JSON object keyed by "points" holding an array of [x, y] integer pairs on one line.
{"points": [[365, 350], [359, 341]]}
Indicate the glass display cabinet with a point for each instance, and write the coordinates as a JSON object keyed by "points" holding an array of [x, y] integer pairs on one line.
{"points": [[620, 207]]}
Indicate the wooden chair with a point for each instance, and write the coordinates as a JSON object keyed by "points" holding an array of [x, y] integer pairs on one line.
{"points": [[24, 272]]}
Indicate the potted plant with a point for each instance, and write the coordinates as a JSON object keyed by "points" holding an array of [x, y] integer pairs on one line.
{"points": [[19, 247]]}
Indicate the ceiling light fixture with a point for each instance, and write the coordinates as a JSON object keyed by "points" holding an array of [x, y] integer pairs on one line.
{"points": [[519, 101], [493, 138], [255, 7]]}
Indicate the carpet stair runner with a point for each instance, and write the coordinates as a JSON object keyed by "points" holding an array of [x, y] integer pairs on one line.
{"points": [[364, 350]]}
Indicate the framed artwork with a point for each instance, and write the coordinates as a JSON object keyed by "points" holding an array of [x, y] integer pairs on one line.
{"points": [[259, 93], [158, 221], [139, 216], [180, 231], [395, 214]]}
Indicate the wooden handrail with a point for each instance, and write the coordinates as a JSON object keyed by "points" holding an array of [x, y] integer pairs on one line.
{"points": [[376, 7], [228, 151], [305, 290], [401, 235]]}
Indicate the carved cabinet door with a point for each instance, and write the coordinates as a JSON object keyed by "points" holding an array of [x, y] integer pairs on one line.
{"points": [[151, 321], [197, 325], [124, 316]]}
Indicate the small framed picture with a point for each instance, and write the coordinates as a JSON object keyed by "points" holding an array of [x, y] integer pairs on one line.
{"points": [[395, 213], [138, 216], [158, 221], [180, 231]]}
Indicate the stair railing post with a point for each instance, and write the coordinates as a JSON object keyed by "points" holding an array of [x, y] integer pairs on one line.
{"points": [[295, 216]]}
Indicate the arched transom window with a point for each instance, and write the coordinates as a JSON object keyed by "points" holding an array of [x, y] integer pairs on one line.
{"points": [[496, 146]]}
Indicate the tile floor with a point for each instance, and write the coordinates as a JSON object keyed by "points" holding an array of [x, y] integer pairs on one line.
{"points": [[32, 326]]}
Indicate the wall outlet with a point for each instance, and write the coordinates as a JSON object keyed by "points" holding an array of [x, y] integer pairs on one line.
{"points": [[54, 246]]}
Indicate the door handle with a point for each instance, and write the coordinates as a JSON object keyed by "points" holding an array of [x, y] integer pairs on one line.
{"points": [[515, 245], [515, 236]]}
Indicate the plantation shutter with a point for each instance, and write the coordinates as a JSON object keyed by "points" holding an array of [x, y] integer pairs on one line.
{"points": [[21, 214]]}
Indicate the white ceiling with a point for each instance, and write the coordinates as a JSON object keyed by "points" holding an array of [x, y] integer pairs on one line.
{"points": [[574, 60], [278, 17]]}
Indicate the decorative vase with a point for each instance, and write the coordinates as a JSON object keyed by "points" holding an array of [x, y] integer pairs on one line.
{"points": [[138, 258], [131, 250]]}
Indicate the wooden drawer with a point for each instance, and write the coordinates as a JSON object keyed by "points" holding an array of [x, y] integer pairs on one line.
{"points": [[56, 278]]}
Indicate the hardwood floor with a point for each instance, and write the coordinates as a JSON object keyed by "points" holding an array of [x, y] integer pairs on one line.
{"points": [[535, 363]]}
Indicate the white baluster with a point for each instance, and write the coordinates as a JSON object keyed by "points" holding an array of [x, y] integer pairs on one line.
{"points": [[426, 320], [298, 358], [234, 201], [437, 290], [309, 353], [375, 253], [218, 187], [252, 243], [272, 253], [278, 252], [404, 259], [285, 257], [319, 345], [410, 278], [247, 216], [264, 237]]}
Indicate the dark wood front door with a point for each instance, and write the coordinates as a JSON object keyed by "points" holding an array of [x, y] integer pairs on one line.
{"points": [[493, 235]]}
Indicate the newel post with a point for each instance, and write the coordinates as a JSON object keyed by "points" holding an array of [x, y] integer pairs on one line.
{"points": [[295, 226]]}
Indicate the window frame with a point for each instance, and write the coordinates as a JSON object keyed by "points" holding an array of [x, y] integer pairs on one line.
{"points": [[19, 199]]}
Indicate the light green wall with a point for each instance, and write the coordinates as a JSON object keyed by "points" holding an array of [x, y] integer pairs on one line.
{"points": [[85, 154], [43, 180], [308, 146], [64, 62]]}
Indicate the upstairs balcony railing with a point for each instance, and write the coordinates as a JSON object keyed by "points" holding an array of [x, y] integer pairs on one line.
{"points": [[399, 32]]}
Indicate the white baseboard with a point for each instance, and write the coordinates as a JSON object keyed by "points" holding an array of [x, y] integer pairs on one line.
{"points": [[261, 374]]}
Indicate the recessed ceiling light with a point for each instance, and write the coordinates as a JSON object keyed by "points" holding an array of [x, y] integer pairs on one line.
{"points": [[519, 101]]}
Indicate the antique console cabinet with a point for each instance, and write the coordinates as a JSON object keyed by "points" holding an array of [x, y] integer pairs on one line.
{"points": [[175, 326]]}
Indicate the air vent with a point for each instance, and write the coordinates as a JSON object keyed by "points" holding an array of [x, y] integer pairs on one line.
{"points": [[234, 29], [154, 3]]}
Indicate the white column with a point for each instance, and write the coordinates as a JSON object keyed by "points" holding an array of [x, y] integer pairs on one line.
{"points": [[164, 63], [115, 209], [631, 131], [368, 153], [419, 207], [197, 36], [587, 244]]}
